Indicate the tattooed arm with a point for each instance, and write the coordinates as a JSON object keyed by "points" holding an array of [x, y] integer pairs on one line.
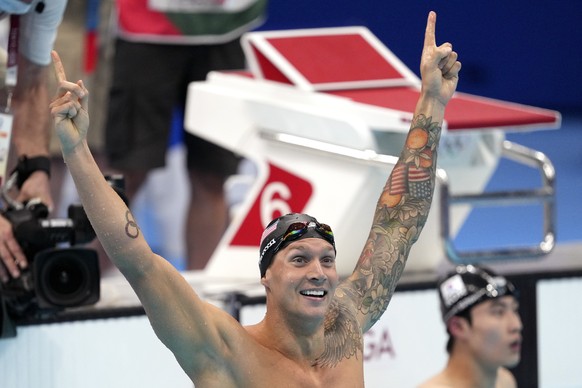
{"points": [[406, 198], [195, 331]]}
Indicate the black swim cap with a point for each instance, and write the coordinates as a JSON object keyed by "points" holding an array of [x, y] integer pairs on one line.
{"points": [[469, 285], [285, 229]]}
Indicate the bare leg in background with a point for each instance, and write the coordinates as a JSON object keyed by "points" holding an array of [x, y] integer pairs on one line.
{"points": [[207, 218]]}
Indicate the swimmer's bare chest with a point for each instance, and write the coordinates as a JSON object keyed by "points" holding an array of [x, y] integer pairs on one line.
{"points": [[346, 374]]}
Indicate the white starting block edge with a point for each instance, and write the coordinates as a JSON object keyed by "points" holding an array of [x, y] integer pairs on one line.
{"points": [[239, 92]]}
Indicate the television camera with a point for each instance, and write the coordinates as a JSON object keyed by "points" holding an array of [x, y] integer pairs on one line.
{"points": [[61, 273]]}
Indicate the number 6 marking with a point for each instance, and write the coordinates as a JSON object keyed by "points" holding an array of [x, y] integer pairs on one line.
{"points": [[271, 205]]}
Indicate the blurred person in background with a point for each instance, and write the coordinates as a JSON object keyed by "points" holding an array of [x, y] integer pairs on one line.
{"points": [[25, 57], [480, 311], [162, 46]]}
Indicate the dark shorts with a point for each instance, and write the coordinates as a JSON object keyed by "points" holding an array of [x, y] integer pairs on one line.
{"points": [[149, 83]]}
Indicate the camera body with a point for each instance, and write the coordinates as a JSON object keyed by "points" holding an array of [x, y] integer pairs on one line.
{"points": [[58, 276]]}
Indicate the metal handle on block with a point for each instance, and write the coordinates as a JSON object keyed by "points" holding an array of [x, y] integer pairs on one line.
{"points": [[516, 152], [544, 194]]}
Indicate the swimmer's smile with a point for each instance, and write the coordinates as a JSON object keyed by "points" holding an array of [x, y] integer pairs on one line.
{"points": [[318, 294]]}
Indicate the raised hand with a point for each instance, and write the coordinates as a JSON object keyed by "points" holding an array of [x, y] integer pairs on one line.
{"points": [[439, 67], [69, 108]]}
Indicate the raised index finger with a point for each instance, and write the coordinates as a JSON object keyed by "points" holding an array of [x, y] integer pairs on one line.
{"points": [[58, 66], [429, 38]]}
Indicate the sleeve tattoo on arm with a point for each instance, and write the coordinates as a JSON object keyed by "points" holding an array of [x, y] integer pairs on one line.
{"points": [[399, 218]]}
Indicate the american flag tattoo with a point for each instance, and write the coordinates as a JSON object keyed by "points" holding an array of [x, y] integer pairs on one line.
{"points": [[398, 180]]}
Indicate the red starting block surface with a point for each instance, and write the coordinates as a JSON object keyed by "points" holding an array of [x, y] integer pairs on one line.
{"points": [[351, 62], [464, 111]]}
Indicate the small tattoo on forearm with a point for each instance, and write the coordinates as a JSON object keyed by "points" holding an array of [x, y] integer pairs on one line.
{"points": [[131, 228]]}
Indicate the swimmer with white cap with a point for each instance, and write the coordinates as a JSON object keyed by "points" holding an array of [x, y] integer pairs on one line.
{"points": [[480, 311]]}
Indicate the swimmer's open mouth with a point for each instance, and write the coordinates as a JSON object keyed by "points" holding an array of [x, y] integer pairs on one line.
{"points": [[314, 293]]}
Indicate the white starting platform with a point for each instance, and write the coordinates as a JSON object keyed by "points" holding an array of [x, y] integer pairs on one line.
{"points": [[323, 114]]}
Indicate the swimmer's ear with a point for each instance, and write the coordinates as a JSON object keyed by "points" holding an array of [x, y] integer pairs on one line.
{"points": [[457, 326], [265, 282]]}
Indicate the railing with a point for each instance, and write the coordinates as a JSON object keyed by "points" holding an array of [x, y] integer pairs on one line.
{"points": [[520, 154], [544, 195]]}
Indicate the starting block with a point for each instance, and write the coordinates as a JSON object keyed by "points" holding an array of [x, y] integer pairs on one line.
{"points": [[323, 114]]}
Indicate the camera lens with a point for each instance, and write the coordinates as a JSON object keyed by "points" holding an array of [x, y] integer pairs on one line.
{"points": [[64, 278], [67, 278]]}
